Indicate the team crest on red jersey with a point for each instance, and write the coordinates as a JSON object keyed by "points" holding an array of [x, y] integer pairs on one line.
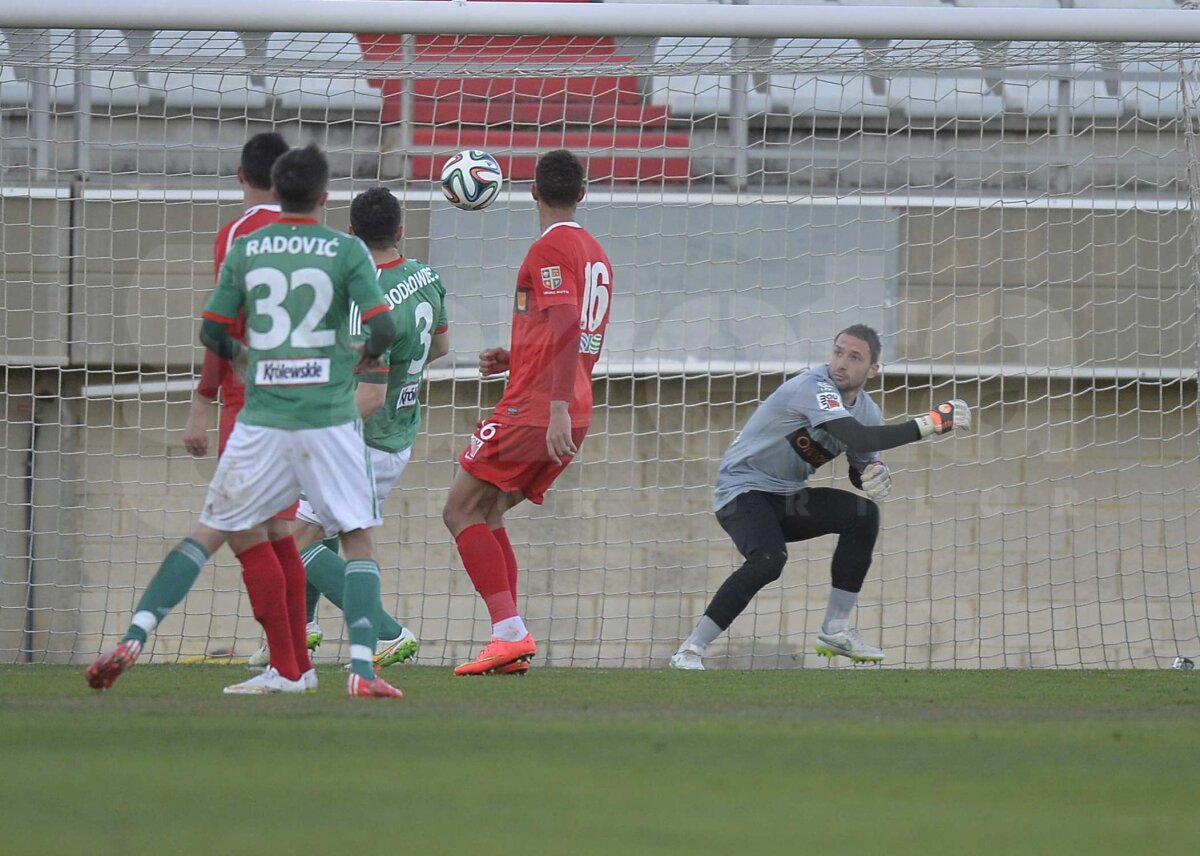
{"points": [[552, 278]]}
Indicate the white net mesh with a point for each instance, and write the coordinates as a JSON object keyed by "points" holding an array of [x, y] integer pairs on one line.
{"points": [[1015, 218]]}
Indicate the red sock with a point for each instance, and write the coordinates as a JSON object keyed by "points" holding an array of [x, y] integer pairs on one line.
{"points": [[295, 582], [264, 584], [510, 559], [484, 561]]}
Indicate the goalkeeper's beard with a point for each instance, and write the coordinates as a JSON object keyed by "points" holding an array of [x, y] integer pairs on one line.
{"points": [[848, 388]]}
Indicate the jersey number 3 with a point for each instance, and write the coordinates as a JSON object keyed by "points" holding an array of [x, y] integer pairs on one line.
{"points": [[424, 319], [270, 305]]}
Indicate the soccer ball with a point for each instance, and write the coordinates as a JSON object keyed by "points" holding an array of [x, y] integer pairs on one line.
{"points": [[472, 180]]}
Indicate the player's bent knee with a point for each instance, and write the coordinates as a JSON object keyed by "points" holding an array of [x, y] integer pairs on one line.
{"points": [[766, 567], [357, 544], [868, 518]]}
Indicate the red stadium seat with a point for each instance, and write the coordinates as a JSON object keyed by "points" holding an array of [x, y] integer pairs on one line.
{"points": [[514, 118]]}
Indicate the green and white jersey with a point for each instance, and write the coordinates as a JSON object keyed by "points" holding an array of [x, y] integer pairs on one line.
{"points": [[295, 280], [417, 300]]}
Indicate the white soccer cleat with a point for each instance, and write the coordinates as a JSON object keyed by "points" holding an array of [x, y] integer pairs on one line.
{"points": [[401, 649], [688, 658], [309, 679], [261, 658], [848, 643], [313, 636], [270, 681]]}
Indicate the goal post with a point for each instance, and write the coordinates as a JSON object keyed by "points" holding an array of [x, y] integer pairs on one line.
{"points": [[1008, 197]]}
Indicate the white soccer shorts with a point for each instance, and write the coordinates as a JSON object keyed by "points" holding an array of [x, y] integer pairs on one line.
{"points": [[264, 470], [387, 467]]}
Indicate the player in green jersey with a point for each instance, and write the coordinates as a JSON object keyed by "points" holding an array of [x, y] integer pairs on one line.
{"points": [[299, 430], [388, 398]]}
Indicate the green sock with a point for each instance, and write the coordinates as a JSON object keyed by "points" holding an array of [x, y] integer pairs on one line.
{"points": [[173, 580], [327, 574], [361, 596], [389, 628], [312, 594]]}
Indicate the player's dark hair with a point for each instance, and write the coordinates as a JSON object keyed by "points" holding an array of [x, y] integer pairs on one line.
{"points": [[299, 178], [559, 178], [868, 335], [259, 155], [375, 216]]}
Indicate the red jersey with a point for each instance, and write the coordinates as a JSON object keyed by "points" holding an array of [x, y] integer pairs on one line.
{"points": [[217, 374], [566, 265]]}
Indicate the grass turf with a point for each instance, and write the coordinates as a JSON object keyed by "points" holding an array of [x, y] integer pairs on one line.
{"points": [[586, 761]]}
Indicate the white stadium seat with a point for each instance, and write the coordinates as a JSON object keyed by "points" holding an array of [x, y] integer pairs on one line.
{"points": [[945, 97], [827, 94], [316, 92], [14, 92], [212, 91], [1038, 96], [1152, 89], [207, 91], [698, 94]]}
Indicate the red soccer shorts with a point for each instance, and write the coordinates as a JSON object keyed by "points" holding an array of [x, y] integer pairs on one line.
{"points": [[514, 457], [228, 419]]}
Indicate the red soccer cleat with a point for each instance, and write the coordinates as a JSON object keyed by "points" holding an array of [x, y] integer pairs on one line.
{"points": [[519, 668], [108, 667], [358, 687], [497, 654]]}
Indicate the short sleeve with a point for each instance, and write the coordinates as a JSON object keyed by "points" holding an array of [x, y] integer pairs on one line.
{"points": [[359, 336], [227, 300], [219, 244], [817, 400], [362, 280], [441, 324], [555, 279]]}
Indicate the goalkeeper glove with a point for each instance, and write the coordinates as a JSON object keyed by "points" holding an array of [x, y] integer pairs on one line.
{"points": [[945, 417], [877, 481]]}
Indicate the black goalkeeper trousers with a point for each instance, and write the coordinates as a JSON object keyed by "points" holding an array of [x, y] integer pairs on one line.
{"points": [[763, 524]]}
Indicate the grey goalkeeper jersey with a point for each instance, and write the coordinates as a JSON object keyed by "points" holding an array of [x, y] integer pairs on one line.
{"points": [[782, 444]]}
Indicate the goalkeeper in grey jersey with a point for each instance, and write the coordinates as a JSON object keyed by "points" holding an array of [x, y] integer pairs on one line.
{"points": [[764, 502]]}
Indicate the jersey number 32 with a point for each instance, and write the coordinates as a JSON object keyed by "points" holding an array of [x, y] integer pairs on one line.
{"points": [[279, 286]]}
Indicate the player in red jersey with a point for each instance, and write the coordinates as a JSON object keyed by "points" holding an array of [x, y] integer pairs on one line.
{"points": [[258, 155], [560, 312]]}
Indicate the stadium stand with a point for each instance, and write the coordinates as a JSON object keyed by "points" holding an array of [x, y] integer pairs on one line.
{"points": [[313, 92], [631, 128], [588, 114]]}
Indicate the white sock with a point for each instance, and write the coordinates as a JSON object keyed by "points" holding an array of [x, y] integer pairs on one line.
{"points": [[510, 629], [837, 613], [146, 620], [706, 631]]}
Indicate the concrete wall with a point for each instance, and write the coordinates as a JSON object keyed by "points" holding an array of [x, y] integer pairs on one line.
{"points": [[116, 282], [1057, 535]]}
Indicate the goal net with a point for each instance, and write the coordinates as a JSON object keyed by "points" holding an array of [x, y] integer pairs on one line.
{"points": [[1015, 216]]}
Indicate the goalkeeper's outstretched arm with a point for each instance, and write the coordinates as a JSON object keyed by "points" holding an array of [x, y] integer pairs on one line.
{"points": [[862, 439]]}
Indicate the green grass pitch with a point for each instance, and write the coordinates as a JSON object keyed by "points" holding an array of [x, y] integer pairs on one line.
{"points": [[583, 761]]}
